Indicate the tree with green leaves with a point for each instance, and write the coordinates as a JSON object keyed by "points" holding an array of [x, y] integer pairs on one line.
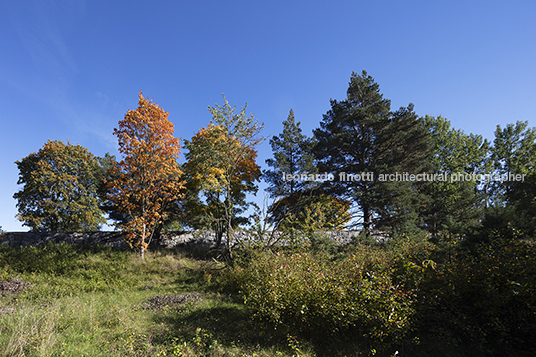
{"points": [[315, 210], [60, 189], [512, 205], [292, 152], [360, 139], [513, 153], [523, 199], [108, 172], [455, 206], [221, 170]]}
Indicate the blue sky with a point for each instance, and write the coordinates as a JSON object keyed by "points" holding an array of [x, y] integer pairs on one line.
{"points": [[69, 70]]}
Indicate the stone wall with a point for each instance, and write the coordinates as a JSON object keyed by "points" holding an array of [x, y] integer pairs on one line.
{"points": [[18, 239], [168, 239]]}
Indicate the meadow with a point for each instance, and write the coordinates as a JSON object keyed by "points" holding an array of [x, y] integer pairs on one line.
{"points": [[405, 298]]}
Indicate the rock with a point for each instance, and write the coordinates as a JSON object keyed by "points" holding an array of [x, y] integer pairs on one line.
{"points": [[12, 287], [158, 302]]}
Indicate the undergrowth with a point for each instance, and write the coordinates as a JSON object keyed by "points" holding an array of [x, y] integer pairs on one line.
{"points": [[407, 297]]}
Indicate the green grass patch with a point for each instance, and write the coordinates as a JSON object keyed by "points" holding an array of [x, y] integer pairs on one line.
{"points": [[104, 302], [407, 297]]}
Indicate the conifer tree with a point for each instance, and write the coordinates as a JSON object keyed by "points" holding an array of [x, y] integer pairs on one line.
{"points": [[292, 152], [293, 155], [360, 136]]}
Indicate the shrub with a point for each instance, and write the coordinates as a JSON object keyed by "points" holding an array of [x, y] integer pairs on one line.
{"points": [[484, 299], [319, 297]]}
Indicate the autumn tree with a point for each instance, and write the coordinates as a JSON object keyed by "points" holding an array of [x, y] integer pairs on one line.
{"points": [[221, 169], [60, 189], [148, 177]]}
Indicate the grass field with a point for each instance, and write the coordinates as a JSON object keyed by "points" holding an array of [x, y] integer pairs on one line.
{"points": [[401, 299], [110, 303]]}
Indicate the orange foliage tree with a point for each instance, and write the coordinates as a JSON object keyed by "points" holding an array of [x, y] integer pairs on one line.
{"points": [[149, 175]]}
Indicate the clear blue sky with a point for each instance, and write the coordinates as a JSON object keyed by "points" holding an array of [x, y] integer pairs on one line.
{"points": [[71, 69]]}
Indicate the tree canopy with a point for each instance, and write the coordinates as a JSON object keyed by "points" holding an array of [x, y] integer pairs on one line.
{"points": [[148, 177], [60, 189], [355, 171], [221, 169], [359, 139], [455, 206], [513, 152]]}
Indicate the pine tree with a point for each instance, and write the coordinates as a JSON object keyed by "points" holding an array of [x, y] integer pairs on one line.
{"points": [[292, 152], [407, 145], [360, 136], [293, 155]]}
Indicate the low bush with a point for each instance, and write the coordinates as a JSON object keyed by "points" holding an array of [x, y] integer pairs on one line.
{"points": [[327, 299], [408, 295], [485, 299]]}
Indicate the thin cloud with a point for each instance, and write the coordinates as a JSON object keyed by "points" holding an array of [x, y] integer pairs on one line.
{"points": [[39, 29]]}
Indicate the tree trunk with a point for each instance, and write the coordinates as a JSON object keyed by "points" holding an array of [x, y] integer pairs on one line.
{"points": [[142, 251], [219, 235], [366, 219]]}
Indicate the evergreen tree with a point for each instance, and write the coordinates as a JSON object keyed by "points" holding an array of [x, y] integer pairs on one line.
{"points": [[407, 145], [359, 140], [293, 155], [292, 152]]}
